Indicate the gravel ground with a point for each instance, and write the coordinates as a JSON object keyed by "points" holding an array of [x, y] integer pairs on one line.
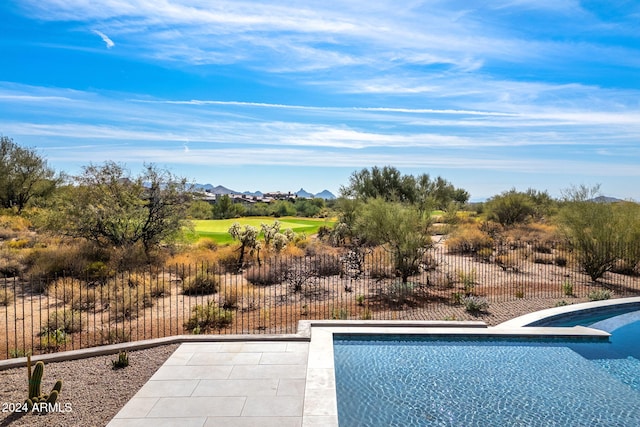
{"points": [[92, 391]]}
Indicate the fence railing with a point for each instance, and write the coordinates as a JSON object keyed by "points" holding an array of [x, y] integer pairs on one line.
{"points": [[39, 315]]}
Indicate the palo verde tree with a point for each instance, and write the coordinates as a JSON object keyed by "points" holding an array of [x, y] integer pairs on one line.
{"points": [[599, 232], [24, 175], [515, 207], [389, 184], [225, 208], [111, 208], [401, 229]]}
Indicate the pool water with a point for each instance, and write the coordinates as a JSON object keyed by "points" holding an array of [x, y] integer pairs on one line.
{"points": [[424, 381]]}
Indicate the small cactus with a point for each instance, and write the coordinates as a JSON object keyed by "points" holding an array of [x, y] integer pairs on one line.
{"points": [[122, 362], [35, 382]]}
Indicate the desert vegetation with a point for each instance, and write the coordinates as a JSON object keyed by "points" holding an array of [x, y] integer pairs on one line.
{"points": [[108, 256]]}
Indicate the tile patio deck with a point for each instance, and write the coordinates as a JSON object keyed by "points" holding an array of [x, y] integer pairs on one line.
{"points": [[273, 383], [223, 384]]}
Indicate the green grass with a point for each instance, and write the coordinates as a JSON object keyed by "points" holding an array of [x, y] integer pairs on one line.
{"points": [[218, 229]]}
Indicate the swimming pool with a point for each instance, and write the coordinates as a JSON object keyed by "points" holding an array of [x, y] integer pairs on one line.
{"points": [[417, 381], [480, 380]]}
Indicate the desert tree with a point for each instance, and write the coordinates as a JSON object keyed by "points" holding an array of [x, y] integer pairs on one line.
{"points": [[390, 184], [597, 231], [510, 208], [400, 229], [24, 175], [225, 208], [200, 209], [111, 208]]}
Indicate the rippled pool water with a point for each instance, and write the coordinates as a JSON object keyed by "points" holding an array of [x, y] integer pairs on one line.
{"points": [[421, 381]]}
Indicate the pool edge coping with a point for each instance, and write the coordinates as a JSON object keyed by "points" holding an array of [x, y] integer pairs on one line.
{"points": [[549, 313], [320, 377]]}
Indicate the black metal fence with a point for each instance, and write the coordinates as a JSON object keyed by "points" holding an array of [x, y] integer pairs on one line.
{"points": [[39, 315]]}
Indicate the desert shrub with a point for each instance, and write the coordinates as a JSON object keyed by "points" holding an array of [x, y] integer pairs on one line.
{"points": [[98, 271], [202, 283], [265, 275], [475, 304], [6, 297], [599, 295], [541, 258], [298, 274], [52, 340], [468, 240], [561, 303], [400, 292], [65, 320], [484, 254], [19, 243], [134, 280], [159, 289], [227, 258], [324, 232], [381, 271], [339, 313], [508, 261], [442, 279], [625, 267], [196, 256], [560, 260], [64, 289], [292, 251], [126, 302], [567, 288], [366, 314], [302, 241], [379, 264], [230, 298], [327, 265], [542, 247], [14, 353], [457, 297], [113, 336], [467, 279], [543, 236], [491, 229], [57, 260], [207, 317], [9, 267], [12, 226], [73, 292], [207, 243]]}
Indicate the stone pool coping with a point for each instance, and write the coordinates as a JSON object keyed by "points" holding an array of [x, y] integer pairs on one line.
{"points": [[550, 313], [321, 405]]}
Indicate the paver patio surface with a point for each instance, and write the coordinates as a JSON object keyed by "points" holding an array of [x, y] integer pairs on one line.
{"points": [[223, 384]]}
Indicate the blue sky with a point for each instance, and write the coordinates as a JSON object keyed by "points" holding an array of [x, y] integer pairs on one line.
{"points": [[278, 95]]}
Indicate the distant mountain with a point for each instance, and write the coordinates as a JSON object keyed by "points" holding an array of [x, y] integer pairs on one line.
{"points": [[214, 190], [303, 193], [605, 199], [219, 189], [326, 194]]}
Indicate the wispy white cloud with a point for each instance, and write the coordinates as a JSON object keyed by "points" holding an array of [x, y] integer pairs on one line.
{"points": [[105, 39]]}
